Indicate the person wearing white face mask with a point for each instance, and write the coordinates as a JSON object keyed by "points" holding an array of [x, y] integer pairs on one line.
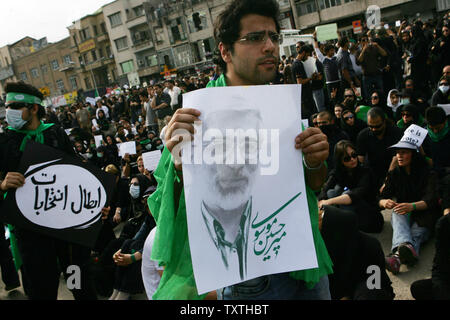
{"points": [[40, 254], [442, 94]]}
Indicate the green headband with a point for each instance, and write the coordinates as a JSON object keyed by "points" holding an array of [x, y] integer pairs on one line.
{"points": [[22, 97]]}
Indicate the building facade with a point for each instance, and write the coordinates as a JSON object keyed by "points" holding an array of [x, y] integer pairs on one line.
{"points": [[94, 62], [45, 69]]}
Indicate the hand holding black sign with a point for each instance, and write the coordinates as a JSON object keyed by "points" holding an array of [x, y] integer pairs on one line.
{"points": [[61, 196]]}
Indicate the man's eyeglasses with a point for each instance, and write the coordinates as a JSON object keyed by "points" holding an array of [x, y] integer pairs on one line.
{"points": [[376, 127], [375, 98], [261, 37], [348, 118], [406, 114], [349, 157], [348, 96]]}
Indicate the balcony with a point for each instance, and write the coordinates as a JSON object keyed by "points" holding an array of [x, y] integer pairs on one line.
{"points": [[142, 44], [103, 37], [67, 66]]}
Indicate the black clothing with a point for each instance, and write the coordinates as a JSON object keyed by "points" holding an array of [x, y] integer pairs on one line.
{"points": [[438, 287], [9, 274], [378, 156], [334, 135], [420, 185], [352, 252], [440, 98], [167, 111], [41, 253], [353, 131], [362, 191], [308, 104]]}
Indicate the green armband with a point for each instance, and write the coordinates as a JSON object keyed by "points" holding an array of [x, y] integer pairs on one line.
{"points": [[133, 258], [414, 207]]}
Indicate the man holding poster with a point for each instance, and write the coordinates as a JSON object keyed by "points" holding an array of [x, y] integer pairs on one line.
{"points": [[249, 56], [40, 253]]}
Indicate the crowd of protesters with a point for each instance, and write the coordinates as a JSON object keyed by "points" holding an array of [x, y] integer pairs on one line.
{"points": [[363, 93]]}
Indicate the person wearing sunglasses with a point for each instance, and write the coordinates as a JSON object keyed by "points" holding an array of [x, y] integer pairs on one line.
{"points": [[372, 143], [351, 186], [410, 115], [40, 253], [351, 124]]}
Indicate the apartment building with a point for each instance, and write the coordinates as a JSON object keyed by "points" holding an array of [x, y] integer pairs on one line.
{"points": [[94, 62], [45, 69], [12, 52]]}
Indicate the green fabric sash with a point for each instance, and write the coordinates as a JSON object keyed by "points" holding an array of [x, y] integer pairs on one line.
{"points": [[29, 134]]}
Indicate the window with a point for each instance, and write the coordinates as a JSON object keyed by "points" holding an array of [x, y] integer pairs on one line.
{"points": [[103, 27], [127, 66], [115, 19], [100, 53], [34, 73], [139, 11], [44, 68], [159, 33], [151, 60], [67, 59], [73, 82], [197, 22], [95, 30], [60, 84], [23, 76], [108, 52], [85, 58], [324, 4], [121, 43], [94, 55], [87, 81], [176, 31], [55, 65], [140, 36], [307, 7], [84, 34]]}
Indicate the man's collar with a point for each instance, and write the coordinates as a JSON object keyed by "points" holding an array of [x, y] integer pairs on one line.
{"points": [[216, 230]]}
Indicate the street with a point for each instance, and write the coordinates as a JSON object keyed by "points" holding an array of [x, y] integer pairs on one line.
{"points": [[401, 282]]}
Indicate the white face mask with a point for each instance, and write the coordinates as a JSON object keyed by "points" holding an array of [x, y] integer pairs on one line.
{"points": [[443, 89], [135, 191], [14, 118]]}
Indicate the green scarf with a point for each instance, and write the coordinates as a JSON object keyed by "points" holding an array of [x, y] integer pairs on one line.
{"points": [[171, 246], [29, 134], [436, 137]]}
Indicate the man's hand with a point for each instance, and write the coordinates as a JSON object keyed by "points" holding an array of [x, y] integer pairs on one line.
{"points": [[403, 208], [105, 213], [180, 126], [314, 145], [13, 180], [388, 204]]}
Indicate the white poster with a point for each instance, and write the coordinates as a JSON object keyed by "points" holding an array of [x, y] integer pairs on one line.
{"points": [[246, 203], [151, 160], [414, 135], [127, 147], [98, 141]]}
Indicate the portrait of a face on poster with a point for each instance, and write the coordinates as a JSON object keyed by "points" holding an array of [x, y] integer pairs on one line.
{"points": [[245, 191], [62, 197]]}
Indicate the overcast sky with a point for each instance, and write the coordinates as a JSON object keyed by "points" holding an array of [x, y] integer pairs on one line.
{"points": [[42, 18]]}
